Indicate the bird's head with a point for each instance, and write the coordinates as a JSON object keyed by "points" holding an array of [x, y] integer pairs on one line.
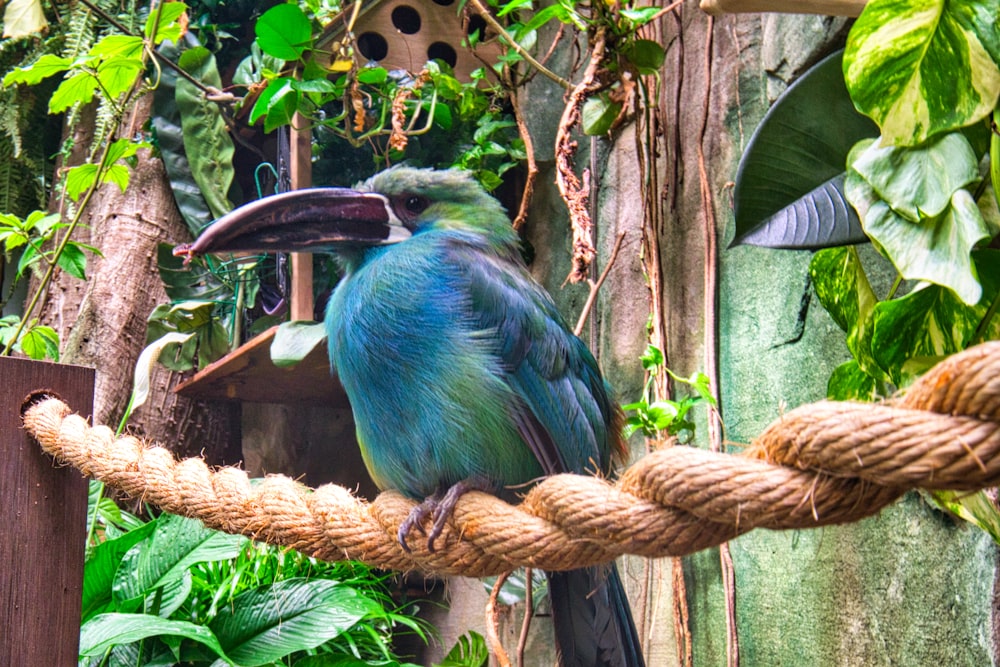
{"points": [[388, 208]]}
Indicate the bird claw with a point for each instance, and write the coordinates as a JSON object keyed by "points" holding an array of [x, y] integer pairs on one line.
{"points": [[439, 508]]}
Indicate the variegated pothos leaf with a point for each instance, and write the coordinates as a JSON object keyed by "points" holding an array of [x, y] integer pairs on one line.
{"points": [[920, 68]]}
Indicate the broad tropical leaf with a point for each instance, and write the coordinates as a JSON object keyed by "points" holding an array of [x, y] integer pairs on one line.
{"points": [[849, 383], [935, 249], [104, 631], [293, 341], [267, 623], [920, 68], [207, 144], [786, 191], [821, 218], [919, 182], [914, 332], [175, 545], [843, 288]]}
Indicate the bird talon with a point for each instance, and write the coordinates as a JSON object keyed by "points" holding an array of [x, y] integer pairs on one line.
{"points": [[416, 519]]}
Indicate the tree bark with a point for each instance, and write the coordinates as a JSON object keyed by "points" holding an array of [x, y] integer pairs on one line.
{"points": [[102, 321]]}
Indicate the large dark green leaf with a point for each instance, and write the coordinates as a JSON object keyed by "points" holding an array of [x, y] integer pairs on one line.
{"points": [[99, 571], [796, 152], [102, 632], [207, 143], [267, 623], [175, 545], [170, 142]]}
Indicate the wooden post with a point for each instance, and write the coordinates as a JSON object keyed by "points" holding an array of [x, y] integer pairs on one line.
{"points": [[302, 306], [44, 510]]}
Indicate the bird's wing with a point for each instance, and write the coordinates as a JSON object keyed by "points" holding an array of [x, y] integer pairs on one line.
{"points": [[564, 412]]}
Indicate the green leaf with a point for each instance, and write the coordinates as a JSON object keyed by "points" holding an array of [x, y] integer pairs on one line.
{"points": [[849, 383], [974, 507], [373, 76], [284, 32], [117, 174], [918, 182], [207, 144], [469, 651], [267, 623], [102, 563], [39, 342], [124, 47], [176, 544], [920, 68], [79, 179], [645, 54], [77, 89], [277, 104], [102, 632], [599, 114], [73, 261], [118, 75], [168, 26], [293, 341], [916, 331], [46, 66], [844, 291], [935, 249], [800, 145], [170, 141]]}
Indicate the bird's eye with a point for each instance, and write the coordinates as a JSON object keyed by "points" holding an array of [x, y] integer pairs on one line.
{"points": [[415, 204]]}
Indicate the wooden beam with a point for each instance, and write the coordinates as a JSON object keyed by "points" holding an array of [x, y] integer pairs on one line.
{"points": [[44, 507], [302, 306], [821, 7]]}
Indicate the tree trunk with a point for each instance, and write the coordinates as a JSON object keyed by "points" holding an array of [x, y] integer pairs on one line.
{"points": [[102, 322]]}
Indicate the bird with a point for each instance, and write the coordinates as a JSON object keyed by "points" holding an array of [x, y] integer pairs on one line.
{"points": [[459, 368]]}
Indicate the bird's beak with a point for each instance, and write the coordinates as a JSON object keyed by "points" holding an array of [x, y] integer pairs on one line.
{"points": [[311, 220]]}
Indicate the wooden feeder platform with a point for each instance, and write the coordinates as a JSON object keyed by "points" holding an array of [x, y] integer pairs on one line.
{"points": [[248, 374]]}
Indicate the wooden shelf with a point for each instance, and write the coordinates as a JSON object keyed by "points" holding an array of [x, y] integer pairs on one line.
{"points": [[247, 374]]}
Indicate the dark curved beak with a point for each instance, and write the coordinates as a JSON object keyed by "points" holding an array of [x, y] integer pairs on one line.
{"points": [[311, 220]]}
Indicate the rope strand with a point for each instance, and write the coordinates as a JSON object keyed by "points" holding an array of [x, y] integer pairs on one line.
{"points": [[819, 464]]}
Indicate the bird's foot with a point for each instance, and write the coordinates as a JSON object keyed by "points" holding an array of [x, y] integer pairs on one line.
{"points": [[439, 508]]}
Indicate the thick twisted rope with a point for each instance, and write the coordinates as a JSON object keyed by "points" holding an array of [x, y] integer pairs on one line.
{"points": [[820, 464]]}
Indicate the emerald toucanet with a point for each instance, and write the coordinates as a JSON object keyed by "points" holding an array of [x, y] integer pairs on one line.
{"points": [[460, 371]]}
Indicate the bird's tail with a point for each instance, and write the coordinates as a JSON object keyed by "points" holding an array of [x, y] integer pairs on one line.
{"points": [[592, 619]]}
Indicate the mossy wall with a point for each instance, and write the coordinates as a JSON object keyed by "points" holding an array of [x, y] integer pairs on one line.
{"points": [[910, 587]]}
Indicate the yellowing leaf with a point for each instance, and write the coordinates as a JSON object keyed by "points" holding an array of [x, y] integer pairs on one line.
{"points": [[22, 18]]}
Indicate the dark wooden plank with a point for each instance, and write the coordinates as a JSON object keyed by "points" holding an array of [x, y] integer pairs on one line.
{"points": [[44, 508], [247, 374]]}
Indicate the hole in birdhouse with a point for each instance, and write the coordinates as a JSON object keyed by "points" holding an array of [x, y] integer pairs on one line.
{"points": [[373, 46], [444, 3], [406, 20], [476, 23], [442, 51]]}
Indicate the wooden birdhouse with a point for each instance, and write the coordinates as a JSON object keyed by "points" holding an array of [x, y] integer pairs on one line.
{"points": [[405, 34]]}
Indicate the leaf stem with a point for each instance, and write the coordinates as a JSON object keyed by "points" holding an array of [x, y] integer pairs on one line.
{"points": [[484, 13], [210, 92], [43, 286], [980, 335], [895, 286]]}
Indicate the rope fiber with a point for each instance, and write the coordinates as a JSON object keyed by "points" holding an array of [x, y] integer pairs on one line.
{"points": [[820, 464]]}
